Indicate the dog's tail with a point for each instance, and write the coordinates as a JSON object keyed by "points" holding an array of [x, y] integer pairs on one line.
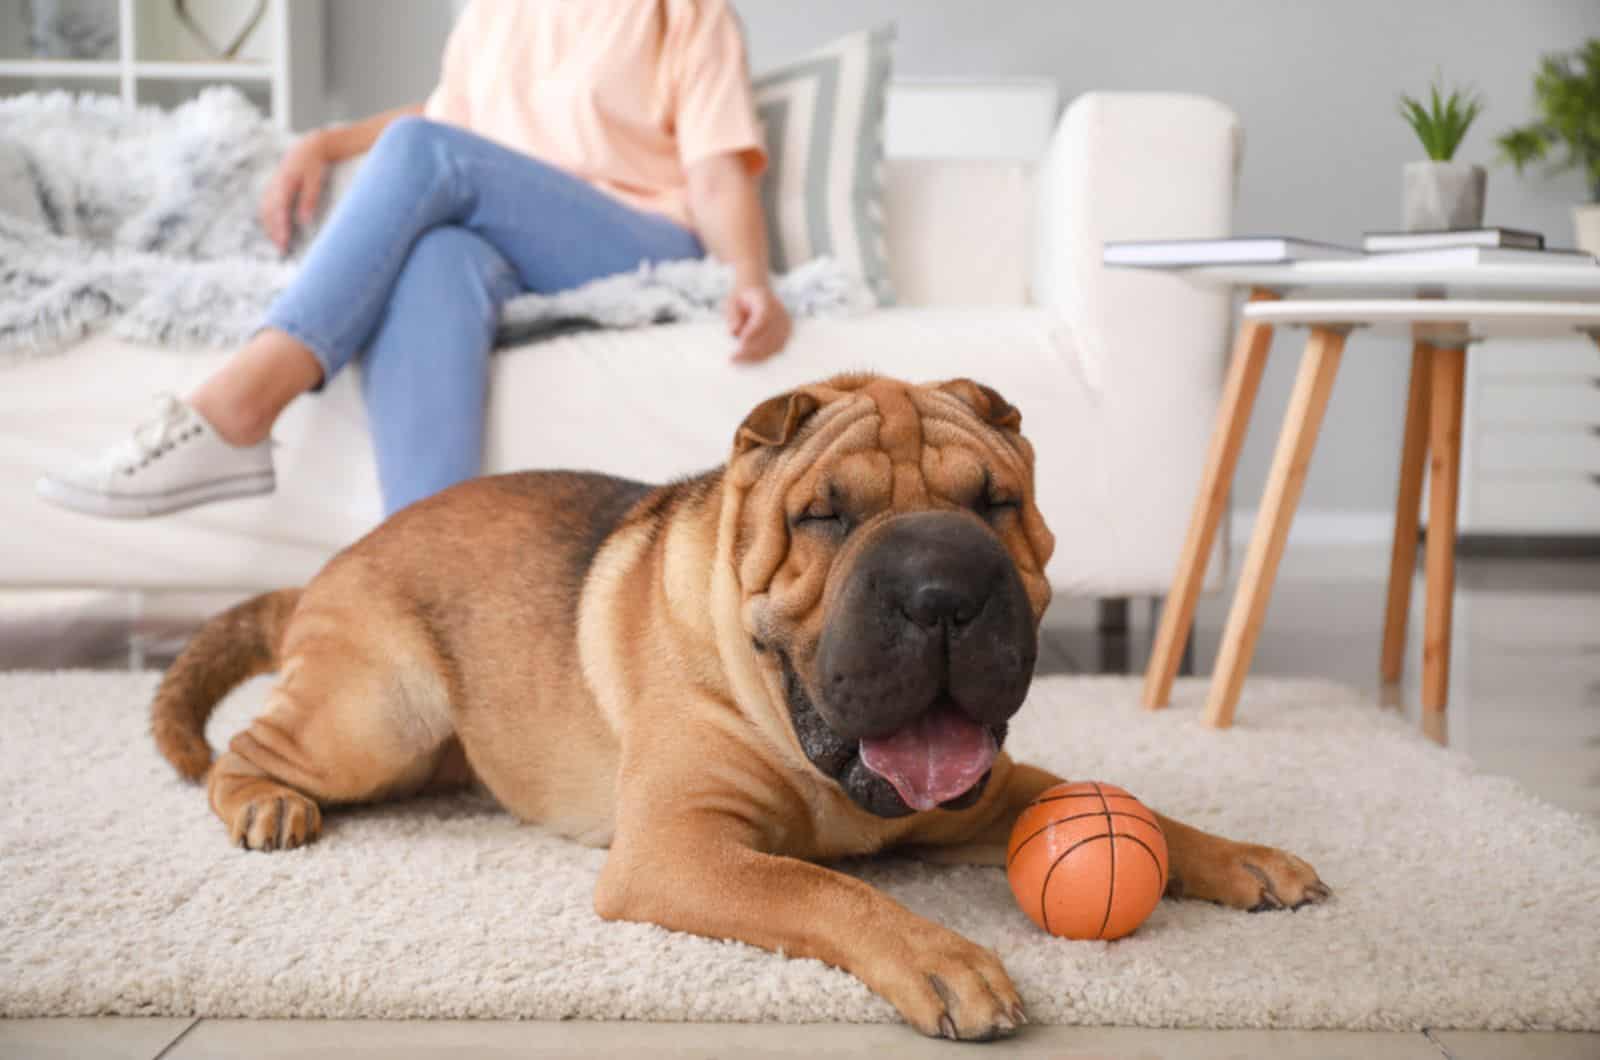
{"points": [[237, 644]]}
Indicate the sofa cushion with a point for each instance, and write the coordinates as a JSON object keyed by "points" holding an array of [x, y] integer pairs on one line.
{"points": [[958, 231], [648, 404], [823, 116]]}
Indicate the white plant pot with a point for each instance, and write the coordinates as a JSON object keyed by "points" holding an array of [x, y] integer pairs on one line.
{"points": [[1443, 195], [1586, 225]]}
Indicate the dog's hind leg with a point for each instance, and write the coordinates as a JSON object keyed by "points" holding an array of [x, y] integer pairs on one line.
{"points": [[344, 724]]}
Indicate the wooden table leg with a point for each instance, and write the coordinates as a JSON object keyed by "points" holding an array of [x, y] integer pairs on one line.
{"points": [[1403, 550], [1301, 423], [1449, 372], [1227, 438]]}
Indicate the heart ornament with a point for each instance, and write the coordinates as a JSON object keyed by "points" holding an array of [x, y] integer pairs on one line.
{"points": [[203, 35]]}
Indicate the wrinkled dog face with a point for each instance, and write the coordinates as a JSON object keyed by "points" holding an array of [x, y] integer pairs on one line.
{"points": [[891, 560]]}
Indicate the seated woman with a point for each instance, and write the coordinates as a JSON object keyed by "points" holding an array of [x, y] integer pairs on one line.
{"points": [[565, 142]]}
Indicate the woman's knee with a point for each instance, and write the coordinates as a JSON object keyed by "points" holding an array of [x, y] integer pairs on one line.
{"points": [[411, 142]]}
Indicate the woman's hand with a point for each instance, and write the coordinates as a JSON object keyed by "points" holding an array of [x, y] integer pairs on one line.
{"points": [[759, 320], [295, 189], [727, 215]]}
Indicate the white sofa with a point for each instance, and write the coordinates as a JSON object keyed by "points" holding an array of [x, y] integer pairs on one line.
{"points": [[998, 266]]}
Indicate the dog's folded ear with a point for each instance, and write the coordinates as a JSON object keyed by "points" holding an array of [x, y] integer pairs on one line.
{"points": [[775, 421], [986, 402]]}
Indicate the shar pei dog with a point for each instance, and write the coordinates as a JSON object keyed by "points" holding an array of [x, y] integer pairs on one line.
{"points": [[808, 653]]}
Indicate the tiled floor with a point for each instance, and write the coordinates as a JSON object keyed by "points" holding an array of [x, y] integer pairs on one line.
{"points": [[1525, 702], [144, 1039]]}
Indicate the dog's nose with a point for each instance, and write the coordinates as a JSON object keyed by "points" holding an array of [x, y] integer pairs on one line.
{"points": [[939, 601], [933, 606], [938, 568]]}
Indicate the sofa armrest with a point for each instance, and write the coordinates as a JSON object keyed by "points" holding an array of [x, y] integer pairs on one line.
{"points": [[1151, 344], [1136, 165]]}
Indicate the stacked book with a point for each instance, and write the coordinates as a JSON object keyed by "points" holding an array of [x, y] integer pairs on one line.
{"points": [[1478, 246]]}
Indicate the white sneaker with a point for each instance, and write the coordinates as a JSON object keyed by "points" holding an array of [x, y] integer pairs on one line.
{"points": [[174, 461]]}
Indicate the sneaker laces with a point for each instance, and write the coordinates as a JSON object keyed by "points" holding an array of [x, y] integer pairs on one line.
{"points": [[152, 437]]}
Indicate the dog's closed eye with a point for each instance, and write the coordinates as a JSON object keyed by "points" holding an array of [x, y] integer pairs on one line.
{"points": [[994, 500], [822, 518]]}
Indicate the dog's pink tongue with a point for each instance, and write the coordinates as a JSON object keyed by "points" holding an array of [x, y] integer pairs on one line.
{"points": [[933, 759]]}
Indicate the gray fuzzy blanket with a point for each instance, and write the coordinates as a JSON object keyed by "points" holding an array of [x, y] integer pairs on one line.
{"points": [[143, 222]]}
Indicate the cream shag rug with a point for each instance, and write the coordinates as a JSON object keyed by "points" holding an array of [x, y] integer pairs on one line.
{"points": [[1460, 900]]}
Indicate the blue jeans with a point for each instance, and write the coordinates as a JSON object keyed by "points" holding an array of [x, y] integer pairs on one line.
{"points": [[439, 229]]}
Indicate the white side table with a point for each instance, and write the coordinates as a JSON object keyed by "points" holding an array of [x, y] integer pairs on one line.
{"points": [[1456, 306]]}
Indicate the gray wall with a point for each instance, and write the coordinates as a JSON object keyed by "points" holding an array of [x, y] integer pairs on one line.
{"points": [[382, 53], [1314, 82]]}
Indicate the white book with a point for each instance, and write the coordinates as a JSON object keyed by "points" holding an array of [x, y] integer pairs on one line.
{"points": [[1243, 250], [1485, 256], [1390, 242]]}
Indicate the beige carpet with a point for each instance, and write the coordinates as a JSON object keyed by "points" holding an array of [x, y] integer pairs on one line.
{"points": [[1460, 901]]}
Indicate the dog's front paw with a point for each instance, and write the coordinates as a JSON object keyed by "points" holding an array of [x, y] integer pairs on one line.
{"points": [[275, 821], [949, 987], [1257, 878]]}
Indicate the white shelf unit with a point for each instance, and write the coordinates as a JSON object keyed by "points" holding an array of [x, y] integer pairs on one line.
{"points": [[282, 61], [1531, 451]]}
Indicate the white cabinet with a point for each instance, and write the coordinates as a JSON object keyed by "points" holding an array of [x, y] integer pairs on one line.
{"points": [[143, 52], [1531, 463]]}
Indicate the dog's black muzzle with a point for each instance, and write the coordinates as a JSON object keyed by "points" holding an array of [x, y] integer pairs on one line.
{"points": [[933, 616]]}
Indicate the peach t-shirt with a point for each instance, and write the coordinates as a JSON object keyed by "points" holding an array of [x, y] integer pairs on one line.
{"points": [[626, 94]]}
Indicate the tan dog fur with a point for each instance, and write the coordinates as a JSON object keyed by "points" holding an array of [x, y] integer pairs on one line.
{"points": [[598, 659]]}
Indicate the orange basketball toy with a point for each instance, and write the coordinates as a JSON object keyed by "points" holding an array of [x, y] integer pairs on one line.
{"points": [[1087, 861]]}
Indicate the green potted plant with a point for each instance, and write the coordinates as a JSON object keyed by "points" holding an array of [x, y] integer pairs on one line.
{"points": [[1566, 91], [1442, 193]]}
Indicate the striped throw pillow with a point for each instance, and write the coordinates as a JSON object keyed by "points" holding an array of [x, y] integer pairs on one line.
{"points": [[823, 188]]}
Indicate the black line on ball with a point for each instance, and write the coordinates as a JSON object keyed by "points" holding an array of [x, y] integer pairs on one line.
{"points": [[1063, 820], [1083, 795], [1044, 888], [1111, 892], [1160, 872]]}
